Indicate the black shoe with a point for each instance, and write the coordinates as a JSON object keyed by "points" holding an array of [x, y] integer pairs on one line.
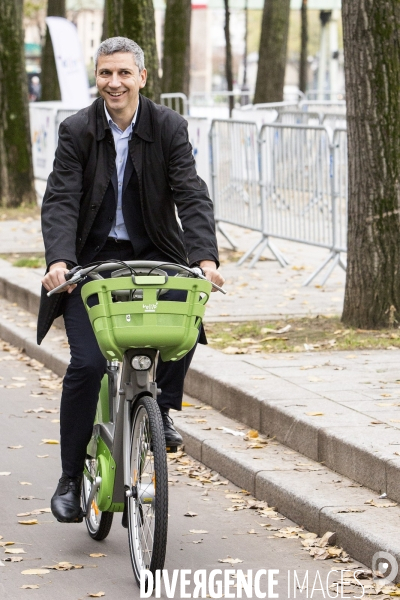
{"points": [[66, 502], [172, 437]]}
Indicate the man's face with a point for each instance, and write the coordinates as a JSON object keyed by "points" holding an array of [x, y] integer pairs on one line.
{"points": [[119, 81]]}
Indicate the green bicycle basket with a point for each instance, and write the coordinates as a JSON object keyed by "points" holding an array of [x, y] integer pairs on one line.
{"points": [[168, 326]]}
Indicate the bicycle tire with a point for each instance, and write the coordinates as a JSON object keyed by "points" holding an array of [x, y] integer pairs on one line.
{"points": [[98, 523], [148, 465]]}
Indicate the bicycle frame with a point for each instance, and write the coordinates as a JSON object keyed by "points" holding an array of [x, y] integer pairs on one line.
{"points": [[110, 440]]}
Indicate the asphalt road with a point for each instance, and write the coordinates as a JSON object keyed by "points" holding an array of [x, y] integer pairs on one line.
{"points": [[34, 469]]}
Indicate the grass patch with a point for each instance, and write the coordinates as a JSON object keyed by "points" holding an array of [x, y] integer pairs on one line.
{"points": [[24, 213], [32, 262], [301, 334], [25, 260]]}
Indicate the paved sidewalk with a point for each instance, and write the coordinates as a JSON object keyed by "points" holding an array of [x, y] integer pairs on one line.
{"points": [[267, 291]]}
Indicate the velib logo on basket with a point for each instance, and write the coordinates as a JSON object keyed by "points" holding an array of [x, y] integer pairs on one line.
{"points": [[150, 307]]}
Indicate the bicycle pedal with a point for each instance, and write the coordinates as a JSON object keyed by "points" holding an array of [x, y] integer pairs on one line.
{"points": [[172, 449]]}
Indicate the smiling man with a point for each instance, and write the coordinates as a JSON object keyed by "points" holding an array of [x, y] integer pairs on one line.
{"points": [[122, 167]]}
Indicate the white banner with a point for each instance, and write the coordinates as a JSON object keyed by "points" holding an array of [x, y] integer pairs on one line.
{"points": [[71, 70], [43, 136]]}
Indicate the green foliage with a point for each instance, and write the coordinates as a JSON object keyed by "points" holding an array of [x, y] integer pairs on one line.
{"points": [[32, 262], [33, 7]]}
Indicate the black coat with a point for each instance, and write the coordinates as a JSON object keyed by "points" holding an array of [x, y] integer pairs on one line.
{"points": [[83, 166]]}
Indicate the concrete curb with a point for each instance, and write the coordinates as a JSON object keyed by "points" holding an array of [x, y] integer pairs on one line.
{"points": [[314, 499]]}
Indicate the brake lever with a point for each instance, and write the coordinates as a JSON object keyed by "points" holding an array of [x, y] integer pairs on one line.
{"points": [[198, 271], [76, 278]]}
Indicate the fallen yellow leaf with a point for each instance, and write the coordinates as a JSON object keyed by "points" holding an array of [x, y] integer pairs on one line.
{"points": [[35, 572], [45, 441], [253, 433], [14, 551], [381, 505], [229, 560], [63, 566], [315, 414], [97, 555], [29, 522], [97, 595]]}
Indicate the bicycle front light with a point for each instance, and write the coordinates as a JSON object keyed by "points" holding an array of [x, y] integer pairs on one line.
{"points": [[141, 362]]}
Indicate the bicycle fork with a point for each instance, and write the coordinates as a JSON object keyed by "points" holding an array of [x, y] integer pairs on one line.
{"points": [[137, 383]]}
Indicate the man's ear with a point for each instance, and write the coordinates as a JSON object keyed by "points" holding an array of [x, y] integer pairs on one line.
{"points": [[143, 78]]}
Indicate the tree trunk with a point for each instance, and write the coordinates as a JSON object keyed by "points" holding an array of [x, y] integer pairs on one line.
{"points": [[176, 59], [49, 77], [228, 55], [16, 175], [272, 53], [104, 33], [134, 19], [303, 52], [372, 70]]}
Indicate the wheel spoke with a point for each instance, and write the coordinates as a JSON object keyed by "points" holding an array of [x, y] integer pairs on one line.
{"points": [[146, 550]]}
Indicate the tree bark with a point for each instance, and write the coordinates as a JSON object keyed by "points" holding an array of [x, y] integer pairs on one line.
{"points": [[272, 53], [303, 71], [49, 77], [228, 55], [134, 19], [371, 30], [104, 33], [16, 174], [176, 59]]}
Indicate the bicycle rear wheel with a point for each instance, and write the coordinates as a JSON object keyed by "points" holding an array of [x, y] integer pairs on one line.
{"points": [[98, 523], [148, 504]]}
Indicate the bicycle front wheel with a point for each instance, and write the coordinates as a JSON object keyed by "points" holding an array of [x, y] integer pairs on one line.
{"points": [[148, 504]]}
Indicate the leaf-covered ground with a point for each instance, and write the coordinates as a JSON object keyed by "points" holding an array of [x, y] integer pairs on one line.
{"points": [[296, 335]]}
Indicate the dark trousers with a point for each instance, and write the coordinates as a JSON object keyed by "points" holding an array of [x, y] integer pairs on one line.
{"points": [[82, 381]]}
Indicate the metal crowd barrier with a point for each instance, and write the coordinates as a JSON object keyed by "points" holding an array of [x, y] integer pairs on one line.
{"points": [[288, 182], [177, 101], [235, 175]]}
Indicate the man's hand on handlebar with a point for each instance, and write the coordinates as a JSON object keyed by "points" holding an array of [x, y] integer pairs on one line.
{"points": [[56, 277], [210, 271]]}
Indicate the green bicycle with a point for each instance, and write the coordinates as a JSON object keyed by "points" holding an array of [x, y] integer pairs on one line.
{"points": [[126, 465]]}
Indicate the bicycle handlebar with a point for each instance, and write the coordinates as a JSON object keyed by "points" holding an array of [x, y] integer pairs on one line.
{"points": [[78, 274]]}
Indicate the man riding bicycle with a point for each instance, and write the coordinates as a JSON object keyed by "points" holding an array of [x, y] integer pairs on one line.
{"points": [[122, 167]]}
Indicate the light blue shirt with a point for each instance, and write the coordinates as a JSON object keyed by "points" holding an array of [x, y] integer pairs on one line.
{"points": [[121, 139]]}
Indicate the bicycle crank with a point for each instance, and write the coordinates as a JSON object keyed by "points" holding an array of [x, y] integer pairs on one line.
{"points": [[93, 491]]}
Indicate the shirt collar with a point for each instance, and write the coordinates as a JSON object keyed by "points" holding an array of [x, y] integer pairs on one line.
{"points": [[111, 122]]}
